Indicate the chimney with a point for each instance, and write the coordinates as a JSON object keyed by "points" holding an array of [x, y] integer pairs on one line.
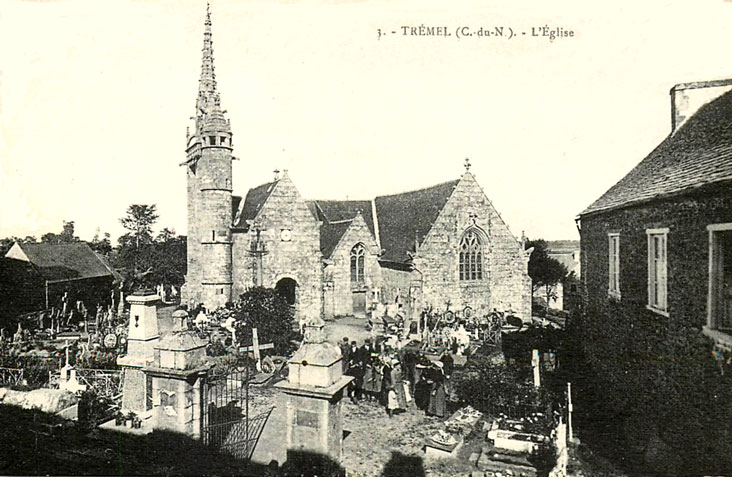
{"points": [[687, 98]]}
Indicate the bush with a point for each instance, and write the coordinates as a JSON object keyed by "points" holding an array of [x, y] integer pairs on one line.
{"points": [[495, 388], [94, 409], [266, 310]]}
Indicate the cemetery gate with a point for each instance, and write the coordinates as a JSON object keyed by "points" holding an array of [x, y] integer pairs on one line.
{"points": [[226, 424]]}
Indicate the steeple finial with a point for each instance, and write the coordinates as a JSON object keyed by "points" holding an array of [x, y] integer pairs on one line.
{"points": [[208, 103], [467, 164], [207, 83]]}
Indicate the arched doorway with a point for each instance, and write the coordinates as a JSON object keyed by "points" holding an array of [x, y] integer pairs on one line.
{"points": [[287, 288]]}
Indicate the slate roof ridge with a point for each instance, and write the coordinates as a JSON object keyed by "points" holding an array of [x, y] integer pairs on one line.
{"points": [[434, 186]]}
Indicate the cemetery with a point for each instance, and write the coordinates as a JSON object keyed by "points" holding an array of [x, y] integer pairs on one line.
{"points": [[156, 370]]}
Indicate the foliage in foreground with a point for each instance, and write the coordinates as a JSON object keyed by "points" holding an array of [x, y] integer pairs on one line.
{"points": [[494, 388]]}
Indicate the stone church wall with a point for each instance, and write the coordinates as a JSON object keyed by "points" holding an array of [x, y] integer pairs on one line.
{"points": [[338, 271], [505, 282], [299, 258]]}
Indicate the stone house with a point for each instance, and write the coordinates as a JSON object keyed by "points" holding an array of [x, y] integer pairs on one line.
{"points": [[658, 244], [441, 246]]}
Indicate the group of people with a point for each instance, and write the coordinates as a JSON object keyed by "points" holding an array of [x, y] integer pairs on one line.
{"points": [[396, 379]]}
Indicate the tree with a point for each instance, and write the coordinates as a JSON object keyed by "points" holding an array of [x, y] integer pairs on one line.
{"points": [[66, 235], [266, 310], [147, 262], [103, 246], [165, 235], [139, 220], [545, 271]]}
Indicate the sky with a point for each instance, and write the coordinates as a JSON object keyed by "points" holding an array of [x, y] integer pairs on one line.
{"points": [[95, 98]]}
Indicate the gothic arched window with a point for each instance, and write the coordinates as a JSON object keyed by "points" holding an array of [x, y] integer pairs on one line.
{"points": [[357, 263], [471, 256]]}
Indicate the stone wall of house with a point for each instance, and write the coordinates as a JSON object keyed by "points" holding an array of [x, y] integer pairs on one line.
{"points": [[505, 284], [299, 258], [338, 269], [687, 218]]}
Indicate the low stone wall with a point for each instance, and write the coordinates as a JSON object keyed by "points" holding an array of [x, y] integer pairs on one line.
{"points": [[46, 400]]}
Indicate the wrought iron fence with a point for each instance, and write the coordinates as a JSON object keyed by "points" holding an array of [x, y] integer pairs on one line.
{"points": [[11, 376], [226, 426]]}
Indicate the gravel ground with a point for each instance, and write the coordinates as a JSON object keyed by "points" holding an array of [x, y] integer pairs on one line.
{"points": [[378, 445]]}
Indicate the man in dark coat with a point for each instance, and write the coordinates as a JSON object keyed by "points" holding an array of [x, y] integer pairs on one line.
{"points": [[345, 354], [355, 369]]}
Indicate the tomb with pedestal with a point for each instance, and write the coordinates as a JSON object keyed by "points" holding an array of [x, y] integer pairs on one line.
{"points": [[176, 378], [142, 335], [314, 392]]}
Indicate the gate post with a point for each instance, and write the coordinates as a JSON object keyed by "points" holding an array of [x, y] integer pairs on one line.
{"points": [[314, 390]]}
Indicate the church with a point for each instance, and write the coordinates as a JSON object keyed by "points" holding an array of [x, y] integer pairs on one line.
{"points": [[443, 248]]}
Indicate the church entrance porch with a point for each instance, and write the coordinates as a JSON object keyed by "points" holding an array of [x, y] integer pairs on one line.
{"points": [[287, 288]]}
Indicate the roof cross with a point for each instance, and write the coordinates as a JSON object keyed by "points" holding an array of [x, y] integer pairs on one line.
{"points": [[467, 164]]}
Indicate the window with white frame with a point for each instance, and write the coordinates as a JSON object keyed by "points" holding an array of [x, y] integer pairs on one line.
{"points": [[657, 269], [614, 268], [720, 277]]}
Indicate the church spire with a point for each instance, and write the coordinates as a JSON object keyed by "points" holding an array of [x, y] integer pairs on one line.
{"points": [[209, 115], [207, 83]]}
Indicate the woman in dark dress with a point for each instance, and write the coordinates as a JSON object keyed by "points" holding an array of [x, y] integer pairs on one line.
{"points": [[422, 388], [438, 396]]}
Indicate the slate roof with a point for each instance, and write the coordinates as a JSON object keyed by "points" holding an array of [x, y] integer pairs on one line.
{"points": [[338, 210], [330, 235], [558, 246], [253, 203], [65, 261], [697, 154], [401, 217], [404, 217], [235, 203]]}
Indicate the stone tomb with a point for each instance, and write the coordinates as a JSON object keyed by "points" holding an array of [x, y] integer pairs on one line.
{"points": [[314, 390], [176, 378], [142, 336]]}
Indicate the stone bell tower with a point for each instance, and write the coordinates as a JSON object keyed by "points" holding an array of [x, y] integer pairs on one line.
{"points": [[208, 167]]}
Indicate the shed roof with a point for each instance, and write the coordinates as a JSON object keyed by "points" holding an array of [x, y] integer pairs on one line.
{"points": [[63, 261]]}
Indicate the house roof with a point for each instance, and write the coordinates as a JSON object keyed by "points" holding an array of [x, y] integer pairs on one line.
{"points": [[699, 153], [330, 235], [404, 218], [64, 261], [559, 246], [254, 201]]}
